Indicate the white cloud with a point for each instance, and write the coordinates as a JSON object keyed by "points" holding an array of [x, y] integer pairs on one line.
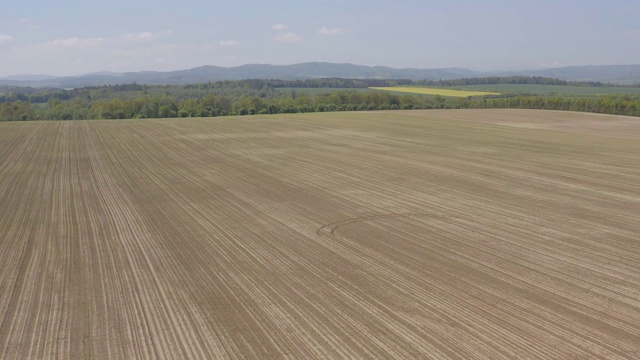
{"points": [[158, 50], [145, 36], [74, 41], [280, 26], [89, 42], [113, 54], [288, 38], [229, 42], [141, 36], [330, 32], [5, 39]]}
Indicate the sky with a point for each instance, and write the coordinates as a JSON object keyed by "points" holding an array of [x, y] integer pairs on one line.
{"points": [[74, 37]]}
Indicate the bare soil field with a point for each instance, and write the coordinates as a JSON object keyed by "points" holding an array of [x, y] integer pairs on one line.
{"points": [[483, 234]]}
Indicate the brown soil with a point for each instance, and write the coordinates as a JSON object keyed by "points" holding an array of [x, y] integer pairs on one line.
{"points": [[484, 234]]}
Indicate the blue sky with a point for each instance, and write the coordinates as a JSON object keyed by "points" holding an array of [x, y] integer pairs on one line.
{"points": [[72, 37]]}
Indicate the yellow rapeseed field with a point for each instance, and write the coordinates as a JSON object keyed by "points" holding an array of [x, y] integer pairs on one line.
{"points": [[434, 91]]}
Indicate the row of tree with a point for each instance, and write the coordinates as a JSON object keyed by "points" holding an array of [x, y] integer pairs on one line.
{"points": [[616, 105], [521, 80], [237, 89], [166, 106]]}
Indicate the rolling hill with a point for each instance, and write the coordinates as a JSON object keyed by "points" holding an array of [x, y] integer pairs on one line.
{"points": [[623, 74]]}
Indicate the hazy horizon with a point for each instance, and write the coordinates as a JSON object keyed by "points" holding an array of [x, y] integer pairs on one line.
{"points": [[106, 72], [73, 37]]}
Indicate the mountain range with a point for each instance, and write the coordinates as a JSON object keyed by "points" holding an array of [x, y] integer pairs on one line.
{"points": [[620, 74]]}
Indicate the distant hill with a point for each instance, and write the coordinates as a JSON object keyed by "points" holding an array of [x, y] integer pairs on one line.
{"points": [[623, 74], [619, 74], [34, 77], [254, 71]]}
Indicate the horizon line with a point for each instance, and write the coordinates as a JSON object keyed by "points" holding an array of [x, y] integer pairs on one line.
{"points": [[8, 77]]}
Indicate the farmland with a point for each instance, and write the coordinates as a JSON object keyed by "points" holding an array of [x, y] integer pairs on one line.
{"points": [[553, 90], [434, 91], [261, 97], [472, 234]]}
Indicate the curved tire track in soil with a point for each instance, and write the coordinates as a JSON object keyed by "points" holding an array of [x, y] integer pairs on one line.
{"points": [[332, 227]]}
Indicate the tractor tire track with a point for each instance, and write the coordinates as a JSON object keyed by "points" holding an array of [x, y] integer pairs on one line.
{"points": [[332, 227]]}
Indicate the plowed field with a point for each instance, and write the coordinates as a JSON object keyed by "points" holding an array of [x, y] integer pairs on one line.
{"points": [[484, 234]]}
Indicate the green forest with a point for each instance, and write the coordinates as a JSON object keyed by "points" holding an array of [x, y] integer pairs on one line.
{"points": [[249, 97]]}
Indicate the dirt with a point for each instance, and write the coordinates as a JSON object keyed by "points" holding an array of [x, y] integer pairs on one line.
{"points": [[471, 234]]}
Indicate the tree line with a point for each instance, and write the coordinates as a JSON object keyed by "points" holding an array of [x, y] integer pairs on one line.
{"points": [[520, 80], [255, 87], [249, 97]]}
